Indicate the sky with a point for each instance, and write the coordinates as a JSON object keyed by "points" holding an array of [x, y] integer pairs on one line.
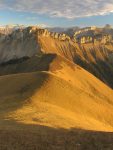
{"points": [[57, 13]]}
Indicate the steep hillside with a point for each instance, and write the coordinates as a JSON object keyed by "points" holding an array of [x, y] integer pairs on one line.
{"points": [[65, 88], [24, 43], [95, 58], [18, 44], [47, 101], [29, 42], [59, 101]]}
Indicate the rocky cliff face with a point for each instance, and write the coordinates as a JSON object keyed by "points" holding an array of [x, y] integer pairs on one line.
{"points": [[20, 43], [31, 41], [24, 42]]}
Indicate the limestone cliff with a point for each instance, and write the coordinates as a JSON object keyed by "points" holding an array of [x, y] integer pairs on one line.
{"points": [[31, 41], [24, 42]]}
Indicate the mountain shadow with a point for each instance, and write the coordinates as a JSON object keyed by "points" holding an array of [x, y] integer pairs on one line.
{"points": [[37, 137]]}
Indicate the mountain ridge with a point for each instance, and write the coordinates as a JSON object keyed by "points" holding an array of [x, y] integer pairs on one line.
{"points": [[48, 99], [33, 41], [37, 90]]}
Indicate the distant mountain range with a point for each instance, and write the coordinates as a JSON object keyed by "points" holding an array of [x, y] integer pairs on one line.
{"points": [[10, 28], [67, 30]]}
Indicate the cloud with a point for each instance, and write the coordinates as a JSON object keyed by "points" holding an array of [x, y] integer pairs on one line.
{"points": [[60, 8]]}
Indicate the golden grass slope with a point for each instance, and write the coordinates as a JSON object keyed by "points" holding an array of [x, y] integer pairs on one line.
{"points": [[95, 58], [65, 96]]}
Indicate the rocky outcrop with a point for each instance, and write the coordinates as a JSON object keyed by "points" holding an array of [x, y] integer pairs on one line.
{"points": [[19, 44], [24, 42], [91, 35], [33, 40]]}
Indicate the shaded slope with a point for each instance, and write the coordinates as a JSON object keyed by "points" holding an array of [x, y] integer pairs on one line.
{"points": [[96, 59], [54, 139], [26, 64]]}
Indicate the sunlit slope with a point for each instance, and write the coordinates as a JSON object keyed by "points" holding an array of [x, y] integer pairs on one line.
{"points": [[64, 96], [95, 58]]}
